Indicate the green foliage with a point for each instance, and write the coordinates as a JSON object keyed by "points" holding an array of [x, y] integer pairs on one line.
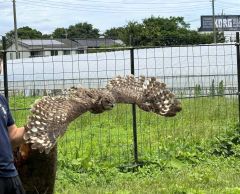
{"points": [[228, 144], [59, 33], [177, 160], [212, 89], [24, 33], [158, 31], [96, 154], [115, 33], [82, 30], [197, 90], [220, 89], [79, 30]]}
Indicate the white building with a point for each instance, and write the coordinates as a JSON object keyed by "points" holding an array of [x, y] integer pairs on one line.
{"points": [[28, 48]]}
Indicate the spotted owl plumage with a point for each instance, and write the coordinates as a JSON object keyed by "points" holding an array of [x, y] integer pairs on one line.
{"points": [[51, 115]]}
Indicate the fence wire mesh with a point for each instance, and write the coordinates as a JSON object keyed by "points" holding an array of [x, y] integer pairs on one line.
{"points": [[203, 77]]}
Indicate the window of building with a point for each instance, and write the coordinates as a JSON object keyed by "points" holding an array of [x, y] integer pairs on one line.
{"points": [[80, 52], [54, 53], [66, 52], [11, 56], [36, 54]]}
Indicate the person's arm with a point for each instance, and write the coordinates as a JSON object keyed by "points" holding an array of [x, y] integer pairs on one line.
{"points": [[16, 135]]}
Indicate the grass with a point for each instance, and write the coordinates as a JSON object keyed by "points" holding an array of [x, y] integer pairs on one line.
{"points": [[96, 154]]}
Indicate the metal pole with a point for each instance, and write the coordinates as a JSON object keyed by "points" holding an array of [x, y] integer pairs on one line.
{"points": [[238, 72], [222, 23], [214, 26], [134, 115], [5, 76], [15, 28]]}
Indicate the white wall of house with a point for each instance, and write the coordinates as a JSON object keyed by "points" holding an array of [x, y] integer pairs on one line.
{"points": [[23, 52], [61, 52], [26, 53]]}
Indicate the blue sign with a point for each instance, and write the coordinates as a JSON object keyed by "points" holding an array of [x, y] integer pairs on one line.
{"points": [[222, 23]]}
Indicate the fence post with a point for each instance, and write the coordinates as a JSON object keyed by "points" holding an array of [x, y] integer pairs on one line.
{"points": [[5, 74], [238, 71], [134, 117]]}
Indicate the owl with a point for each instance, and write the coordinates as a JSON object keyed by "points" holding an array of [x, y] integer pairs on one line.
{"points": [[50, 116]]}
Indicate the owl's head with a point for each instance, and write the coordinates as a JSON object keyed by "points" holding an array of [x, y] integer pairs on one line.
{"points": [[105, 101]]}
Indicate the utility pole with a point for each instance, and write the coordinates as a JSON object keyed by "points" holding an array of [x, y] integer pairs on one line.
{"points": [[15, 28], [214, 26], [222, 22]]}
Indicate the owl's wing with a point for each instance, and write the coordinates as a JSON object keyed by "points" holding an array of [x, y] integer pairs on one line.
{"points": [[51, 116], [148, 93]]}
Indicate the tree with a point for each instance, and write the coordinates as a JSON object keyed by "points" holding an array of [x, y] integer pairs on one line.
{"points": [[197, 90], [158, 31], [82, 30], [46, 36], [60, 33], [132, 34], [114, 33], [220, 89], [212, 89], [23, 33]]}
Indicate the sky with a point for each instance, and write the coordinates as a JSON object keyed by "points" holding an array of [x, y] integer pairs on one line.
{"points": [[48, 15]]}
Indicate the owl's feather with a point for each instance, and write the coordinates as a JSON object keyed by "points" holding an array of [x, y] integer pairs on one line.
{"points": [[52, 115], [148, 93]]}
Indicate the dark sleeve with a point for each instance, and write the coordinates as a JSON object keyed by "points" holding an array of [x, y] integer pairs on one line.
{"points": [[10, 120]]}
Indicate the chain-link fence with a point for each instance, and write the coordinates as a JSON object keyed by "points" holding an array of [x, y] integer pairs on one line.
{"points": [[204, 78]]}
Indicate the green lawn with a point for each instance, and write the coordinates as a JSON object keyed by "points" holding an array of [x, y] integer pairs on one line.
{"points": [[96, 154]]}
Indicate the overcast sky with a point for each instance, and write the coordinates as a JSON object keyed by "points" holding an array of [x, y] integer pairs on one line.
{"points": [[47, 15]]}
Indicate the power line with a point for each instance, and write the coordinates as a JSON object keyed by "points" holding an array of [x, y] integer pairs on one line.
{"points": [[103, 8], [229, 3], [107, 9], [54, 3], [126, 3]]}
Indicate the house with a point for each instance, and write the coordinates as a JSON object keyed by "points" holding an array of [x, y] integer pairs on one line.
{"points": [[52, 47], [42, 48]]}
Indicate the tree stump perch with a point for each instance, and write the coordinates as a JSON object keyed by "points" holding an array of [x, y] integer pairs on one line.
{"points": [[37, 171]]}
